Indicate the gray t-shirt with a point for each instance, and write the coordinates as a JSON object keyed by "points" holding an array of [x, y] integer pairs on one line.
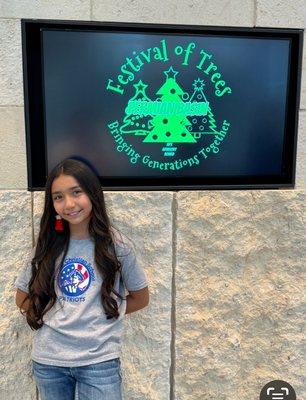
{"points": [[76, 331]]}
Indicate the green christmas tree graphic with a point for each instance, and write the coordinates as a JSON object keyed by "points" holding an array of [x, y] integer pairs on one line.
{"points": [[201, 124], [171, 118], [170, 128], [135, 123]]}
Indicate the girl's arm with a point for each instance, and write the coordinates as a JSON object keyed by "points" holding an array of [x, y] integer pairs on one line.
{"points": [[137, 300], [20, 296]]}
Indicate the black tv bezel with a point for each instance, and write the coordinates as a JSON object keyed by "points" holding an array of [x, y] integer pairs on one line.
{"points": [[35, 120]]}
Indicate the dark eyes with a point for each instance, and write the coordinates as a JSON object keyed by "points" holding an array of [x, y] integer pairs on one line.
{"points": [[75, 193]]}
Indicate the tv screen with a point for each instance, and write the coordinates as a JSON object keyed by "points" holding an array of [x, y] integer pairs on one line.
{"points": [[166, 107]]}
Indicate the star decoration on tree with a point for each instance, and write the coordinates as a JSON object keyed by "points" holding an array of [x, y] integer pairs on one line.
{"points": [[198, 84], [140, 86], [171, 73]]}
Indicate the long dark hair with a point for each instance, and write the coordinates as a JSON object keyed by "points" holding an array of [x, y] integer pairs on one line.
{"points": [[52, 246]]}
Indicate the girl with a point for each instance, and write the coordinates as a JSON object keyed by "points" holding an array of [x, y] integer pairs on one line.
{"points": [[72, 291]]}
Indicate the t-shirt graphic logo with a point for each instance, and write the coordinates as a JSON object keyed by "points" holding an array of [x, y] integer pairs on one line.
{"points": [[75, 277]]}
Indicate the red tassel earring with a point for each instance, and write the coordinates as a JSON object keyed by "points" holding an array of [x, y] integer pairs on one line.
{"points": [[59, 226]]}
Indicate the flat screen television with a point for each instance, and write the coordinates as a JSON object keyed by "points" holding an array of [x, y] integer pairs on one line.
{"points": [[163, 107]]}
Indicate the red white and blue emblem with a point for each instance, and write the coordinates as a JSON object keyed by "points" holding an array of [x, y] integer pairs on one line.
{"points": [[75, 277]]}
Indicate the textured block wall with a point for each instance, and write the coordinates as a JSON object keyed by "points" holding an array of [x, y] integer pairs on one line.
{"points": [[226, 268]]}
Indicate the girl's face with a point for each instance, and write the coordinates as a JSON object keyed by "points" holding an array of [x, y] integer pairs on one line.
{"points": [[71, 202]]}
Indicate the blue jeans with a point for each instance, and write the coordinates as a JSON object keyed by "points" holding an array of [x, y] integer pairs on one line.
{"points": [[102, 381]]}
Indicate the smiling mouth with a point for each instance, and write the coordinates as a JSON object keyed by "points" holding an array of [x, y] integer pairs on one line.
{"points": [[73, 214]]}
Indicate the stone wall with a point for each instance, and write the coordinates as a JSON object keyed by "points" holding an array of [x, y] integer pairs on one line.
{"points": [[226, 268]]}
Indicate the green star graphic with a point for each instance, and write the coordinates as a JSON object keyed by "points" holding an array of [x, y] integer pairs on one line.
{"points": [[171, 73], [198, 84], [140, 86]]}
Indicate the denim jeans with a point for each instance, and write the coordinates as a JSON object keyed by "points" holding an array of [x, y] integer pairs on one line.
{"points": [[102, 381]]}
